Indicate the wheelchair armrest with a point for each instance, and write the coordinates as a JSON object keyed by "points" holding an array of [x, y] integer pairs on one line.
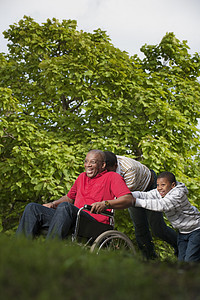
{"points": [[105, 213]]}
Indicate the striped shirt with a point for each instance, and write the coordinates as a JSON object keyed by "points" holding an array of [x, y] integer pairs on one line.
{"points": [[136, 175], [179, 211]]}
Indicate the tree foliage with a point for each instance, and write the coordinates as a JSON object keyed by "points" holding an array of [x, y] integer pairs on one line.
{"points": [[65, 91]]}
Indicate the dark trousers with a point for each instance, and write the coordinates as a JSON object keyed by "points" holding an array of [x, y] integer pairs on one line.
{"points": [[143, 219], [189, 246], [57, 221]]}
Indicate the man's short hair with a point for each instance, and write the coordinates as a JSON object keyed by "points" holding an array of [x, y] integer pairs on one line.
{"points": [[170, 176], [100, 152], [111, 159]]}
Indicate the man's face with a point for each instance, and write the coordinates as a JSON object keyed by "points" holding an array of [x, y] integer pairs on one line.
{"points": [[94, 164], [164, 186]]}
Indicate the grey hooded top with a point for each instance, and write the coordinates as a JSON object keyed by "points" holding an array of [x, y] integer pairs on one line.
{"points": [[179, 211]]}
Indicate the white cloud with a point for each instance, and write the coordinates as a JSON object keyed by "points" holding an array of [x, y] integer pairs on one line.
{"points": [[129, 23]]}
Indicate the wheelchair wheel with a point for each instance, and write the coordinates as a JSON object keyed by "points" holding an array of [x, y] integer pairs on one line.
{"points": [[112, 240]]}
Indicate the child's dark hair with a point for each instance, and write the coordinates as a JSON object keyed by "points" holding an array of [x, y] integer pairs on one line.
{"points": [[170, 176], [111, 159]]}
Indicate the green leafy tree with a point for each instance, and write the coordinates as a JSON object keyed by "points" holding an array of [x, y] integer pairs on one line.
{"points": [[35, 165], [173, 110], [65, 91]]}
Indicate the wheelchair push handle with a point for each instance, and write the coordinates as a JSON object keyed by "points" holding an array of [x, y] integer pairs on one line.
{"points": [[106, 212]]}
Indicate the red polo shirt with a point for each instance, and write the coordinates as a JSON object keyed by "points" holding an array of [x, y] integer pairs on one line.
{"points": [[104, 186]]}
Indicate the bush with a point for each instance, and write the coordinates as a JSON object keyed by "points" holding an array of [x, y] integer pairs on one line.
{"points": [[49, 270]]}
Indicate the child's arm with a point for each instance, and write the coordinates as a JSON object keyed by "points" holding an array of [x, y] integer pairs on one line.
{"points": [[153, 201]]}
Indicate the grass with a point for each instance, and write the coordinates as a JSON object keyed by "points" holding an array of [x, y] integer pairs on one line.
{"points": [[55, 270]]}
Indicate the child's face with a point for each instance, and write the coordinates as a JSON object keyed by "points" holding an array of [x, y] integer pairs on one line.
{"points": [[164, 186]]}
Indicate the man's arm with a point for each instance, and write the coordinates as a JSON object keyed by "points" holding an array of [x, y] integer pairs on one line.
{"points": [[54, 204], [120, 203]]}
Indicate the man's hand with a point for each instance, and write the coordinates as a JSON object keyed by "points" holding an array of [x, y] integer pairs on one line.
{"points": [[120, 203], [98, 207], [50, 205], [55, 203]]}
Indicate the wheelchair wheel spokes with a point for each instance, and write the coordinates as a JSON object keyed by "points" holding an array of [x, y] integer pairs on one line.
{"points": [[113, 240], [117, 243], [110, 243]]}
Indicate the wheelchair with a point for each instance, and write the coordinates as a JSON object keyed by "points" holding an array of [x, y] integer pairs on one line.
{"points": [[101, 237]]}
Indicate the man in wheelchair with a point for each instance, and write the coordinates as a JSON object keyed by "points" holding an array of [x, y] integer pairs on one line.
{"points": [[96, 184]]}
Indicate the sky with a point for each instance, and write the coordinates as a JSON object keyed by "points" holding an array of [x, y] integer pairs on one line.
{"points": [[129, 23]]}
